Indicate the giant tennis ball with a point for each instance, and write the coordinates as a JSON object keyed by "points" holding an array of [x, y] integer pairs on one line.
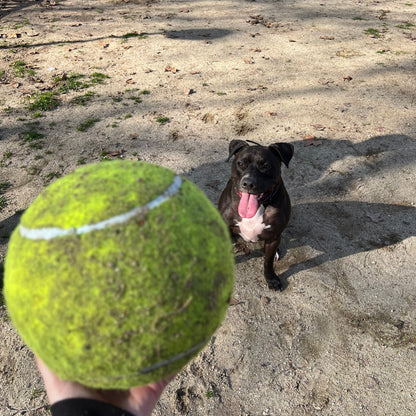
{"points": [[118, 274]]}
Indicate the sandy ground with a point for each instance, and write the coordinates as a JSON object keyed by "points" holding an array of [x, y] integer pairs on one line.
{"points": [[172, 82]]}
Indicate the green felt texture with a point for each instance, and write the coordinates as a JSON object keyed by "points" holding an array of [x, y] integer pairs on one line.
{"points": [[102, 307]]}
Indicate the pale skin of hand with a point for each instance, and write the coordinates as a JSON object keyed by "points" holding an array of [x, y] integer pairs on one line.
{"points": [[140, 401]]}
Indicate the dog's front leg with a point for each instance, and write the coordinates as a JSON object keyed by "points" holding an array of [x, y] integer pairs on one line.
{"points": [[270, 249]]}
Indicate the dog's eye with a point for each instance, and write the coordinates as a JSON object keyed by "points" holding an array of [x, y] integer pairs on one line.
{"points": [[242, 164], [264, 166]]}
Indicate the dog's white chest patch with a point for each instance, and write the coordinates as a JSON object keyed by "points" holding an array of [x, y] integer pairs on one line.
{"points": [[251, 228]]}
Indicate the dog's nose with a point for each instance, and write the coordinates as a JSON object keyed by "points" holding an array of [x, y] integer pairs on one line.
{"points": [[247, 184]]}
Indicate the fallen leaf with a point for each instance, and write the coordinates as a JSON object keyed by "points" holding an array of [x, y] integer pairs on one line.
{"points": [[76, 24], [265, 300], [124, 46], [130, 81], [171, 69], [325, 37], [257, 50], [133, 136], [271, 113], [195, 72], [319, 127], [188, 91], [310, 140], [234, 301], [348, 78], [208, 118], [115, 153], [14, 35], [249, 61]]}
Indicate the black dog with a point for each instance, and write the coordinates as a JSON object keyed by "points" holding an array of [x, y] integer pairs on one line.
{"points": [[255, 203]]}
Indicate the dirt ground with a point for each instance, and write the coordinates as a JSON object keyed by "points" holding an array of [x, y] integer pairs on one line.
{"points": [[172, 82]]}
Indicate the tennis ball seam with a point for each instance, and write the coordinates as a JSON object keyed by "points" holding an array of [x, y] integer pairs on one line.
{"points": [[48, 233], [158, 365]]}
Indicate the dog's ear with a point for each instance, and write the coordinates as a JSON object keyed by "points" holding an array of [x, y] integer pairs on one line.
{"points": [[284, 151], [234, 147]]}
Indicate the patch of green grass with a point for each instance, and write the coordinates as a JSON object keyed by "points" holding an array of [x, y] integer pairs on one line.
{"points": [[1, 73], [21, 69], [6, 156], [87, 124], [81, 161], [7, 110], [117, 99], [358, 18], [210, 394], [38, 114], [98, 78], [83, 99], [128, 116], [45, 101], [137, 100], [163, 120], [3, 202], [373, 32], [21, 24], [133, 35], [31, 136], [33, 170], [4, 186], [36, 393], [406, 26], [221, 93], [70, 83], [52, 175]]}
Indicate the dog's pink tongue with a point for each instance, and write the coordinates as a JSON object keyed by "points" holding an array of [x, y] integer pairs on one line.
{"points": [[248, 205]]}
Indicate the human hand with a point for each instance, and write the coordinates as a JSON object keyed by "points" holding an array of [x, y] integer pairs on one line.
{"points": [[139, 401]]}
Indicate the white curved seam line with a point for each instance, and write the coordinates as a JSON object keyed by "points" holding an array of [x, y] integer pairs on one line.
{"points": [[177, 357], [158, 365], [48, 233]]}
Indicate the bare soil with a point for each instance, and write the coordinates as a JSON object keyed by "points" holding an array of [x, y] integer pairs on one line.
{"points": [[172, 82]]}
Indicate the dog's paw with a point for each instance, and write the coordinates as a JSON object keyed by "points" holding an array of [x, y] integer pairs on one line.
{"points": [[274, 284]]}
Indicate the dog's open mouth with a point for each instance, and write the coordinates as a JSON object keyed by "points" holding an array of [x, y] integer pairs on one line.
{"points": [[249, 204]]}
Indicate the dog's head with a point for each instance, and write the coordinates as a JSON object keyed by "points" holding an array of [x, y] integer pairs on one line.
{"points": [[256, 170]]}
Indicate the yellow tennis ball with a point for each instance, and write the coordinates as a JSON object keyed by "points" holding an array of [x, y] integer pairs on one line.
{"points": [[118, 274]]}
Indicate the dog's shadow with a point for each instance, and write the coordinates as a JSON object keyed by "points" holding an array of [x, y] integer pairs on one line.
{"points": [[320, 232]]}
